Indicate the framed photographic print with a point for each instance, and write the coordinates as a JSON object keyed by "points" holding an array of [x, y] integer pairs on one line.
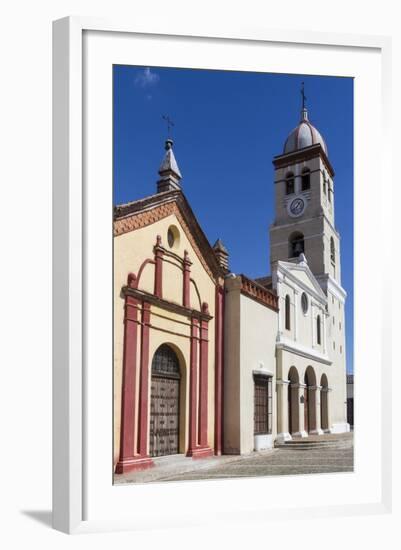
{"points": [[213, 198]]}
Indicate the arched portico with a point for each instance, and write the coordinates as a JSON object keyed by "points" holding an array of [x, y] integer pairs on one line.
{"points": [[293, 401]]}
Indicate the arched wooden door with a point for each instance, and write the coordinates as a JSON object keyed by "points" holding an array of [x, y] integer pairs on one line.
{"points": [[164, 433]]}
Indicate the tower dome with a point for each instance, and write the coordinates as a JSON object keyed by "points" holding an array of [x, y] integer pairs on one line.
{"points": [[304, 135]]}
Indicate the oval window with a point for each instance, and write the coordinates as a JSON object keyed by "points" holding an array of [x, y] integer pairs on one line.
{"points": [[173, 236], [304, 303]]}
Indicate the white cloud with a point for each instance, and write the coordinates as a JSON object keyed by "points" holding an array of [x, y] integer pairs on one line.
{"points": [[146, 78]]}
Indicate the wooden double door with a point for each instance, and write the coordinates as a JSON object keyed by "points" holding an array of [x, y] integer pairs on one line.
{"points": [[164, 433]]}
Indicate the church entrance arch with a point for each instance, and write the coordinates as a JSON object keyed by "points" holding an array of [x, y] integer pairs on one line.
{"points": [[310, 400], [293, 401], [164, 432], [324, 403]]}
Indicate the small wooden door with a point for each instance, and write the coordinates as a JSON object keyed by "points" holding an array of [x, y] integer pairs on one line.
{"points": [[164, 429]]}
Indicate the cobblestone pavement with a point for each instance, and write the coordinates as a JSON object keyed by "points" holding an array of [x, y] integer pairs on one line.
{"points": [[330, 454]]}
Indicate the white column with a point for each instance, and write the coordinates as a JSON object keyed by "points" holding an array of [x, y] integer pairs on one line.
{"points": [[329, 419], [282, 411], [318, 429], [324, 332], [302, 431]]}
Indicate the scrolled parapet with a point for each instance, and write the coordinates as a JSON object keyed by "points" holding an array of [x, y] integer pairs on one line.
{"points": [[258, 292]]}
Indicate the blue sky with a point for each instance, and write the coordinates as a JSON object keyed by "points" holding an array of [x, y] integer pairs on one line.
{"points": [[228, 127]]}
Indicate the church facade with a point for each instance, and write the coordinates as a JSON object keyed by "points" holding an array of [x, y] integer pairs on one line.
{"points": [[207, 362]]}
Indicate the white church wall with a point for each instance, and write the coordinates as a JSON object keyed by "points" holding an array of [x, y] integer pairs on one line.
{"points": [[303, 325], [337, 353], [250, 337], [258, 337]]}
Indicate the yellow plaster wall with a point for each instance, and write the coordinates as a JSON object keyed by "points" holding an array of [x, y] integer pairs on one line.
{"points": [[130, 251]]}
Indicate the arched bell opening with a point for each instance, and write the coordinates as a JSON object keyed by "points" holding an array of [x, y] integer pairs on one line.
{"points": [[296, 244]]}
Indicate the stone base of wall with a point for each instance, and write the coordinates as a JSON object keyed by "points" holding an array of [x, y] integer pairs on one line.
{"points": [[283, 437], [263, 442], [340, 428]]}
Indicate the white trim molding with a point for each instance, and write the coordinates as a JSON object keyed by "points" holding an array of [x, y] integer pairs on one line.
{"points": [[309, 353], [329, 284]]}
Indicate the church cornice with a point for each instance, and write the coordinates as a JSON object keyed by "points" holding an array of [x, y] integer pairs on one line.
{"points": [[309, 353], [329, 284], [323, 215], [307, 153]]}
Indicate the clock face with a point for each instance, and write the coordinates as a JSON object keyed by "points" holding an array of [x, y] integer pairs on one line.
{"points": [[297, 206]]}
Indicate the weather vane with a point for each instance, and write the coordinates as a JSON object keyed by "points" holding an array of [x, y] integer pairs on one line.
{"points": [[303, 96], [170, 124]]}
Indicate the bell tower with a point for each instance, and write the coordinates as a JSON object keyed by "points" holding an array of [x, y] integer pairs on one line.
{"points": [[304, 202], [304, 233]]}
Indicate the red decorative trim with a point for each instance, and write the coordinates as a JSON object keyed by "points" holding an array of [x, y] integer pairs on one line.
{"points": [[200, 452], [127, 434], [186, 299], [136, 463], [165, 304], [132, 281], [146, 262], [193, 386], [144, 383], [218, 400], [158, 268], [254, 290], [203, 381]]}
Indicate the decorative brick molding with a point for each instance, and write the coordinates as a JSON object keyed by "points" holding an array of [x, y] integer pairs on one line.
{"points": [[259, 293], [143, 213]]}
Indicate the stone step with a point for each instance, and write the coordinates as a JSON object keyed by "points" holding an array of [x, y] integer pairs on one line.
{"points": [[315, 447], [305, 444]]}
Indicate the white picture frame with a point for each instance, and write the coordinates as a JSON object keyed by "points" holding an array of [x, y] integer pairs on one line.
{"points": [[71, 417]]}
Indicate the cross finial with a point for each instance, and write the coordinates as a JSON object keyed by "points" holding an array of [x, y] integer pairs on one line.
{"points": [[170, 124], [303, 96]]}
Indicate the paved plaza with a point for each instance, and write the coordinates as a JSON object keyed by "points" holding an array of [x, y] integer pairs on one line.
{"points": [[312, 455]]}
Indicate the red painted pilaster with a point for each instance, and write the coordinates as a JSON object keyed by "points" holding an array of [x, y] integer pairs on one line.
{"points": [[219, 332], [128, 431], [203, 382], [158, 268], [193, 375], [129, 459], [144, 383], [186, 300]]}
